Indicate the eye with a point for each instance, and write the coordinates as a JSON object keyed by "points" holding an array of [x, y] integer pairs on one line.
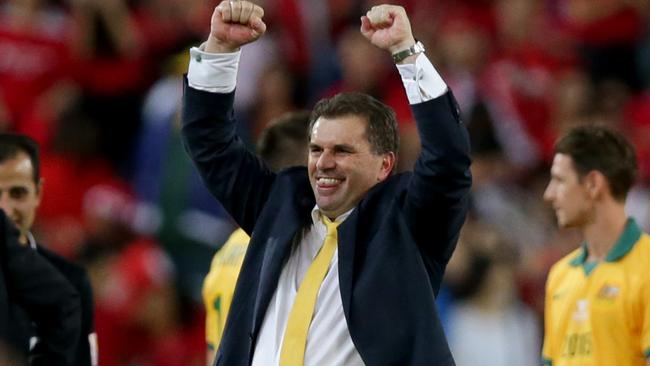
{"points": [[18, 193], [343, 151]]}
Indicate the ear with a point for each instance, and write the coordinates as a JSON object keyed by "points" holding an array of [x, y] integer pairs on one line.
{"points": [[596, 184], [387, 165]]}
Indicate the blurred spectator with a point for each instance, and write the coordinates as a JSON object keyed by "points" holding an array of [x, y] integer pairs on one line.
{"points": [[605, 33], [35, 44], [488, 324], [71, 169], [173, 204], [498, 194], [139, 316], [114, 73], [275, 91]]}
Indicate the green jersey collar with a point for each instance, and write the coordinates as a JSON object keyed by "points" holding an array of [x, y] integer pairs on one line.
{"points": [[625, 243]]}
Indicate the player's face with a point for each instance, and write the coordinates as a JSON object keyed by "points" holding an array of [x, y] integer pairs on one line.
{"points": [[568, 194], [19, 194], [342, 166]]}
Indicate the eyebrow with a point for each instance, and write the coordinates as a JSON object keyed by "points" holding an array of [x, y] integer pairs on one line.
{"points": [[337, 147]]}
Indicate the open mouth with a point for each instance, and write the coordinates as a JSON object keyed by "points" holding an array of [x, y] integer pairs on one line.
{"points": [[327, 185]]}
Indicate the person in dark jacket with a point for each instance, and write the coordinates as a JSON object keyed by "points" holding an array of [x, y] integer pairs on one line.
{"points": [[345, 258], [20, 193], [28, 280]]}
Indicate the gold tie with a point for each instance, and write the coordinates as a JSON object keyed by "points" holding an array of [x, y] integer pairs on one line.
{"points": [[295, 336]]}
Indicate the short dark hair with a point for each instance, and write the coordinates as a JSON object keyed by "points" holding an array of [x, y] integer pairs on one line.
{"points": [[600, 148], [13, 144], [284, 142], [381, 128]]}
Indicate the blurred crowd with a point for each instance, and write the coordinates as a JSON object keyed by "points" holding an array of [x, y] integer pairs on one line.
{"points": [[98, 83]]}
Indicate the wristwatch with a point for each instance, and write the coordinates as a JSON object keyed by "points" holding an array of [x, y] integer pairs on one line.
{"points": [[417, 48]]}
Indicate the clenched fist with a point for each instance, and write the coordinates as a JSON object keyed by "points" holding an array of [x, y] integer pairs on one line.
{"points": [[388, 27], [234, 24]]}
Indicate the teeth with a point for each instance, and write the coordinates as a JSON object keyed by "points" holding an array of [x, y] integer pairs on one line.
{"points": [[328, 180]]}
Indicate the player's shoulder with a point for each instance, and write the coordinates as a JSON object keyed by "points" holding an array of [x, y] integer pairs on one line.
{"points": [[641, 250], [565, 264], [568, 260]]}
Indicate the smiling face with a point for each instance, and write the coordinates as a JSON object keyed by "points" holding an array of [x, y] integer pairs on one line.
{"points": [[19, 194], [568, 193], [342, 165]]}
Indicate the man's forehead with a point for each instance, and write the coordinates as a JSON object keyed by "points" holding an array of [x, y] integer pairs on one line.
{"points": [[341, 128], [19, 164], [563, 160], [562, 165]]}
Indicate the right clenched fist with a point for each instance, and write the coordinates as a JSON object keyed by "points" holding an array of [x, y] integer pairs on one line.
{"points": [[234, 23]]}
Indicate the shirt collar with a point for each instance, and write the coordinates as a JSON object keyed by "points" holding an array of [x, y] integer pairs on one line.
{"points": [[30, 240], [624, 244], [316, 215]]}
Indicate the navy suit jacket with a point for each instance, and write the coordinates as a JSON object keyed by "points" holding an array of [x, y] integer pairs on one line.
{"points": [[393, 248]]}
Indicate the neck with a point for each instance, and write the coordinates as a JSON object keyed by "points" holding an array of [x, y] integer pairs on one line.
{"points": [[605, 229], [22, 239]]}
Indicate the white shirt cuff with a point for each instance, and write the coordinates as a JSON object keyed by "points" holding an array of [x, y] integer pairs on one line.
{"points": [[213, 72], [421, 80]]}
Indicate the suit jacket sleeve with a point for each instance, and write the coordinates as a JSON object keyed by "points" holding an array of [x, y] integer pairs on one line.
{"points": [[437, 198], [232, 173], [47, 297]]}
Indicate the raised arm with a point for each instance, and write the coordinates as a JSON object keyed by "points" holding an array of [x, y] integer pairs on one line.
{"points": [[233, 174], [436, 203]]}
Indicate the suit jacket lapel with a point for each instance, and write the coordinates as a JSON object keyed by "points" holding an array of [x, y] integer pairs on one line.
{"points": [[347, 245], [278, 250]]}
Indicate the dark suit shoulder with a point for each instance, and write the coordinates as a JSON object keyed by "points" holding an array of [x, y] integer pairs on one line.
{"points": [[78, 277], [72, 272]]}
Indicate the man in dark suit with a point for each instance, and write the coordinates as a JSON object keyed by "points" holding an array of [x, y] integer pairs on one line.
{"points": [[371, 299], [31, 282], [20, 193]]}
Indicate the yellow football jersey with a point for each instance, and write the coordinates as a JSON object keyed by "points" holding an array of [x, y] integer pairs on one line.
{"points": [[219, 285], [598, 314]]}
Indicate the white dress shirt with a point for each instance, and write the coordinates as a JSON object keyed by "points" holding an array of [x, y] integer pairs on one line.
{"points": [[328, 342]]}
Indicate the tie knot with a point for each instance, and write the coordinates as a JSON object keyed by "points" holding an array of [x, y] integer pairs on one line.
{"points": [[331, 225]]}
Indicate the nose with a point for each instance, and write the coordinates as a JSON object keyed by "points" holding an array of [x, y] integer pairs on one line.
{"points": [[326, 161], [548, 193]]}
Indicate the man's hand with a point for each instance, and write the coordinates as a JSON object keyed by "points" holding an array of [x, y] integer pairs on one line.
{"points": [[234, 24], [388, 27]]}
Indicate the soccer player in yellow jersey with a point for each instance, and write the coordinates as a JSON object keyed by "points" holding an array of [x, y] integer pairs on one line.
{"points": [[282, 144], [597, 308]]}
